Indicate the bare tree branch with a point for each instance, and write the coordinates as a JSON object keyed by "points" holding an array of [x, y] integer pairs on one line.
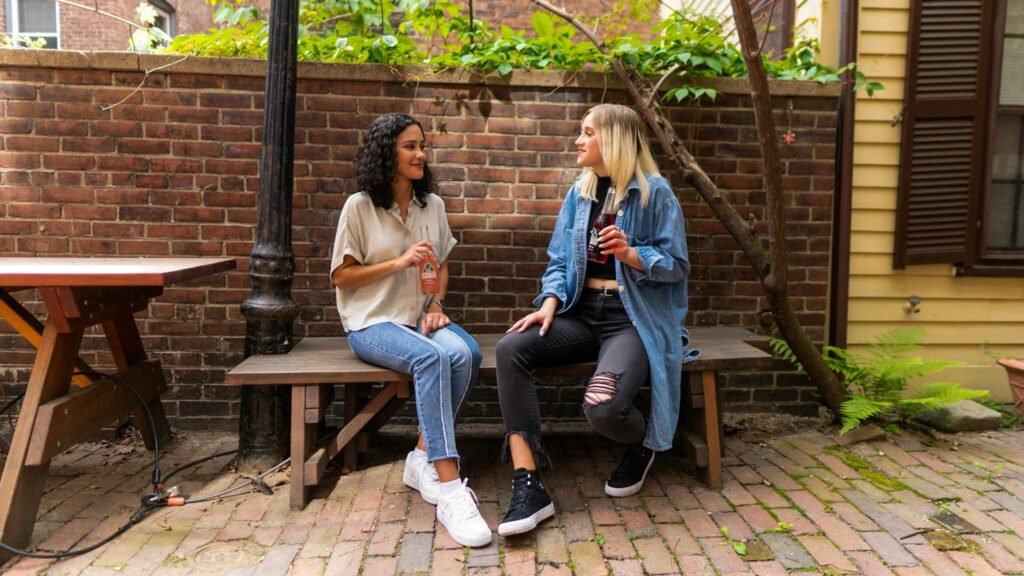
{"points": [[143, 82], [767, 28], [673, 70]]}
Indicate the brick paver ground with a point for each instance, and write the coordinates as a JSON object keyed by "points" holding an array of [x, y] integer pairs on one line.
{"points": [[791, 503]]}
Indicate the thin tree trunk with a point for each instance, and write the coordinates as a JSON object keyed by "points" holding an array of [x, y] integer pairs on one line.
{"points": [[776, 284], [771, 269]]}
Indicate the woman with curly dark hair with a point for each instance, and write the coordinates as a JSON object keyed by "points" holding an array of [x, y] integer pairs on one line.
{"points": [[390, 322]]}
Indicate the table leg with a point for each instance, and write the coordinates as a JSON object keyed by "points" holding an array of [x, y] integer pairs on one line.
{"points": [[21, 487], [126, 347], [31, 330]]}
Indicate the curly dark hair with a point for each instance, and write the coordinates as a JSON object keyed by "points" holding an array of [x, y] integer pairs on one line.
{"points": [[375, 161]]}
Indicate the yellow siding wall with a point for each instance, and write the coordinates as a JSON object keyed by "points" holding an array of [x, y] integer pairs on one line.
{"points": [[958, 314]]}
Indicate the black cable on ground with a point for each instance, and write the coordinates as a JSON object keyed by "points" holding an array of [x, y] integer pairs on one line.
{"points": [[135, 518], [158, 498], [149, 416], [12, 403], [197, 462]]}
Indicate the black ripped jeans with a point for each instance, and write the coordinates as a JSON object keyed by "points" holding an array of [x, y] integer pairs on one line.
{"points": [[597, 327]]}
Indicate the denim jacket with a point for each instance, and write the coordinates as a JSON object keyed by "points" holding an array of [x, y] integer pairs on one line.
{"points": [[655, 298]]}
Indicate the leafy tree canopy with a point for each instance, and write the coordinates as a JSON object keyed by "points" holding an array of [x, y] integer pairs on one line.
{"points": [[439, 34]]}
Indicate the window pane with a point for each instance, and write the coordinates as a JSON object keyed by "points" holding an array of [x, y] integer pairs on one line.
{"points": [[1006, 153], [1015, 17], [1010, 93], [37, 16], [1006, 194], [1004, 225]]}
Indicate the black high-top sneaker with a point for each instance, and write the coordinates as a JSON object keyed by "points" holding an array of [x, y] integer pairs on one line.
{"points": [[629, 477], [530, 504]]}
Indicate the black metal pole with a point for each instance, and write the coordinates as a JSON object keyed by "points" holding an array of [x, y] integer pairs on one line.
{"points": [[269, 309]]}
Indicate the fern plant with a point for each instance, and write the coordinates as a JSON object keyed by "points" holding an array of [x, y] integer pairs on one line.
{"points": [[875, 382]]}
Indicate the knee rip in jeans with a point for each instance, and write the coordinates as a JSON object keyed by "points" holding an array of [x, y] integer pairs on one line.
{"points": [[602, 388]]}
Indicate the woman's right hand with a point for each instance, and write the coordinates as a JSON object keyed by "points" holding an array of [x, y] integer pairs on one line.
{"points": [[414, 255], [544, 316]]}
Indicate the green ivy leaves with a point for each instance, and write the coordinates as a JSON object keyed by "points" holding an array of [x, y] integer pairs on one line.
{"points": [[436, 33]]}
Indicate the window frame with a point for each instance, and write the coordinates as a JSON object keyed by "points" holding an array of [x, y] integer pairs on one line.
{"points": [[985, 262], [165, 9], [12, 7]]}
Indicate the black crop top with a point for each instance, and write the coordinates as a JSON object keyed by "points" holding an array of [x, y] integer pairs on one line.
{"points": [[604, 271]]}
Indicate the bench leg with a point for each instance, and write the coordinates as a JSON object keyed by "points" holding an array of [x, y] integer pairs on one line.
{"points": [[349, 453], [301, 445], [712, 426]]}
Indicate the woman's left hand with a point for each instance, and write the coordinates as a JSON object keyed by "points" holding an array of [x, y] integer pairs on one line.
{"points": [[433, 321], [614, 241]]}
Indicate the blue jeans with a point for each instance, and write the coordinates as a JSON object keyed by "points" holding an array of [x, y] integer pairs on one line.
{"points": [[444, 369]]}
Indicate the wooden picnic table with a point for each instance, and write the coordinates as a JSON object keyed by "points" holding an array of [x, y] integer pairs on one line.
{"points": [[64, 401]]}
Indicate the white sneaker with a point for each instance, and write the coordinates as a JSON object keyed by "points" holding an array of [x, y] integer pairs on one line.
{"points": [[421, 475], [459, 513]]}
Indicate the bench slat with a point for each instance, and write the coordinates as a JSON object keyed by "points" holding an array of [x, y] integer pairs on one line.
{"points": [[328, 360]]}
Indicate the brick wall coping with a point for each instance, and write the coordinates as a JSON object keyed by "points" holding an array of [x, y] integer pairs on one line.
{"points": [[129, 61]]}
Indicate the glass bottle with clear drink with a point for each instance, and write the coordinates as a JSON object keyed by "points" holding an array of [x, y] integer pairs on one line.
{"points": [[604, 219]]}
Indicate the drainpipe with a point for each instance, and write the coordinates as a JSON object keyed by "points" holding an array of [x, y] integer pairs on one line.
{"points": [[839, 275]]}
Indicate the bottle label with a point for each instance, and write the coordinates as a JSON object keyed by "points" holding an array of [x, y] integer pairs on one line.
{"points": [[429, 282]]}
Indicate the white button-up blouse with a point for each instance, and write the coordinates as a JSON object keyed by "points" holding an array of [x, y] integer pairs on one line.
{"points": [[373, 235]]}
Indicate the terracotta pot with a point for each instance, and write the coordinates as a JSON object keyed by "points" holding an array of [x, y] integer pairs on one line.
{"points": [[1015, 369]]}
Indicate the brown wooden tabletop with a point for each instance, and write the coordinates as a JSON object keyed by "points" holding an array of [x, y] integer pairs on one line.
{"points": [[40, 272]]}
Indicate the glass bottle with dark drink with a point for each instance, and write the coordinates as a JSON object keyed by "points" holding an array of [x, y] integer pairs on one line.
{"points": [[604, 219]]}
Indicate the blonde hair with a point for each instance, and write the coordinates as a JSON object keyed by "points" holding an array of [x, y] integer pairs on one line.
{"points": [[624, 150]]}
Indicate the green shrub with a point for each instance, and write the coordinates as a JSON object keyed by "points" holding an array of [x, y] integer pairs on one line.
{"points": [[875, 382], [439, 34]]}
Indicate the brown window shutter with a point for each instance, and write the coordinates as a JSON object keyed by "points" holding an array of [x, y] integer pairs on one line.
{"points": [[944, 131]]}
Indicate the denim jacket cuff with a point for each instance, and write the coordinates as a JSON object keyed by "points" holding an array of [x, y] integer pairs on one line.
{"points": [[648, 257], [545, 293]]}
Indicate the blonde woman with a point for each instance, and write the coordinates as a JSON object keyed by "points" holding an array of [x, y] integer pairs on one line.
{"points": [[627, 312]]}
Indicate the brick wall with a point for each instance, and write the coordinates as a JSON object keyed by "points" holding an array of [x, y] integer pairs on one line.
{"points": [[173, 170]]}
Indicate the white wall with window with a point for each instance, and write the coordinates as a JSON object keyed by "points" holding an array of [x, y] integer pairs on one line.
{"points": [[34, 19]]}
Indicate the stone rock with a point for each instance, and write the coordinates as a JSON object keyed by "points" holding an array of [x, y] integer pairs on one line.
{"points": [[962, 416], [862, 434]]}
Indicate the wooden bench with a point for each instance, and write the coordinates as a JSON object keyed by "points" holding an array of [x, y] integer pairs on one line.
{"points": [[316, 364]]}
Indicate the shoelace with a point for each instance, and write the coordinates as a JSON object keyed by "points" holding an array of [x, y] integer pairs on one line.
{"points": [[632, 462], [465, 504], [429, 473], [520, 493]]}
